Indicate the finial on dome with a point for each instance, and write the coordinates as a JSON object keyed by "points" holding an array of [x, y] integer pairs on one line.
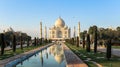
{"points": [[59, 16]]}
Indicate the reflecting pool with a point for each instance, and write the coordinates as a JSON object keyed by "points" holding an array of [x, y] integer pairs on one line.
{"points": [[53, 56]]}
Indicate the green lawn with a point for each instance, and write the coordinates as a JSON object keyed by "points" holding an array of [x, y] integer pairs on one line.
{"points": [[10, 53], [99, 57]]}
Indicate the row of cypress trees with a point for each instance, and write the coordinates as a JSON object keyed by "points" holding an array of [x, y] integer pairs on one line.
{"points": [[2, 42], [86, 43], [13, 43], [108, 43]]}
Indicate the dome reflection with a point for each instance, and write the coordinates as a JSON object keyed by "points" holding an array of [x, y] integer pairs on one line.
{"points": [[58, 53]]}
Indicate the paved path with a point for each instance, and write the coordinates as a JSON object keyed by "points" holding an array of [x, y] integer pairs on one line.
{"points": [[115, 52], [72, 59]]}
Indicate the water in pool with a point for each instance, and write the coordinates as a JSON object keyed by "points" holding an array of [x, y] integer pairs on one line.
{"points": [[53, 56]]}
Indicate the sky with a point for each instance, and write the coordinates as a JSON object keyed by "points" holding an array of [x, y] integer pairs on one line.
{"points": [[25, 15]]}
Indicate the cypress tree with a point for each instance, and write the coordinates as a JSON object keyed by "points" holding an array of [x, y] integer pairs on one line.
{"points": [[2, 43], [83, 42], [14, 43], [108, 51], [77, 41], [35, 41], [95, 40], [21, 44], [27, 42], [40, 41], [88, 43], [72, 41], [45, 40]]}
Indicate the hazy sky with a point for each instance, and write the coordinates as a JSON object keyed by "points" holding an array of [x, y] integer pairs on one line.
{"points": [[25, 15]]}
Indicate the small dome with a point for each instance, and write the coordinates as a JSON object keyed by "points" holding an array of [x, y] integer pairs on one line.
{"points": [[65, 27], [59, 22]]}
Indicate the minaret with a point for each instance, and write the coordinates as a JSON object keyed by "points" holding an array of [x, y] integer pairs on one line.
{"points": [[45, 31], [79, 30], [74, 34], [40, 29]]}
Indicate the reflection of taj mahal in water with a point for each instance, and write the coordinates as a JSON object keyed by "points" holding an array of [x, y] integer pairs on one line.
{"points": [[59, 31], [58, 53]]}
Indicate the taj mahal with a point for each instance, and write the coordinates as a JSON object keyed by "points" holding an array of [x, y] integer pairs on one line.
{"points": [[59, 31]]}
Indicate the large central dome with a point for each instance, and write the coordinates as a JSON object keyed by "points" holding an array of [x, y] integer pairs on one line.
{"points": [[59, 22]]}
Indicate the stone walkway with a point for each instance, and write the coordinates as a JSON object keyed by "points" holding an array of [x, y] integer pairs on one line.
{"points": [[115, 52], [5, 61], [72, 59]]}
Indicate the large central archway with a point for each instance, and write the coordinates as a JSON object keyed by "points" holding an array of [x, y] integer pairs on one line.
{"points": [[59, 34]]}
